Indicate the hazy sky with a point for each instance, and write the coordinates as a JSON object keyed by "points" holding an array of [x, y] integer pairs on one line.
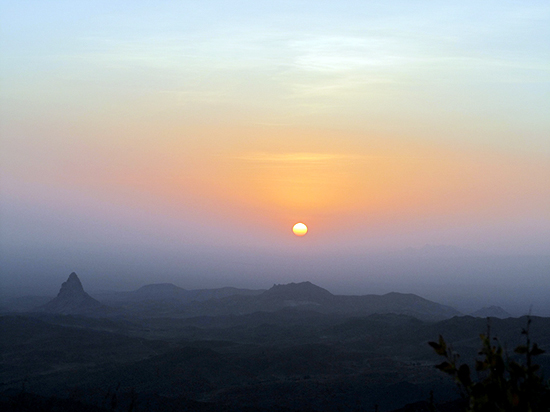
{"points": [[137, 133]]}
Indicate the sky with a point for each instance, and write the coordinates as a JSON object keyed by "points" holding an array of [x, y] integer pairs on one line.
{"points": [[181, 140]]}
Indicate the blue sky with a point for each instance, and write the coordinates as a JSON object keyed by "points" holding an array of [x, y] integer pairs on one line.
{"points": [[171, 126]]}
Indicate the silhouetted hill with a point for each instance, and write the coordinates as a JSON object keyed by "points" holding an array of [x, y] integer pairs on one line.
{"points": [[207, 294], [399, 303], [159, 291], [73, 300], [307, 296], [167, 300], [170, 294], [297, 294], [26, 303], [491, 312]]}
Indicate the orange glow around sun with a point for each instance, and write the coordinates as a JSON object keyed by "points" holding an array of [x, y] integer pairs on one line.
{"points": [[299, 229]]}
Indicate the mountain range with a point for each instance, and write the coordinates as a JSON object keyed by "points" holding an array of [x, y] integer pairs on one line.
{"points": [[292, 347], [170, 292], [169, 300], [491, 312]]}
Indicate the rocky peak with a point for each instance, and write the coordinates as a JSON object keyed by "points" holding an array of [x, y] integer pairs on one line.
{"points": [[71, 287], [72, 299]]}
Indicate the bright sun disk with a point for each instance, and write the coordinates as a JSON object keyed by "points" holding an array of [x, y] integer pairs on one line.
{"points": [[299, 229]]}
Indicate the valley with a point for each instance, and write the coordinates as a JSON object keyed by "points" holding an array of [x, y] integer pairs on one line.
{"points": [[294, 347]]}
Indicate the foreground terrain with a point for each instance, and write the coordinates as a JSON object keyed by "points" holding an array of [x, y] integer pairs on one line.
{"points": [[289, 357]]}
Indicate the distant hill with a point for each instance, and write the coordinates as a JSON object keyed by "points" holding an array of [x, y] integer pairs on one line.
{"points": [[73, 300], [307, 296], [491, 312], [297, 294], [26, 303], [170, 293], [158, 291], [398, 303], [166, 299]]}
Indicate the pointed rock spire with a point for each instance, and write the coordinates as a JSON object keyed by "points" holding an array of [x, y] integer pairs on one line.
{"points": [[72, 299], [71, 286]]}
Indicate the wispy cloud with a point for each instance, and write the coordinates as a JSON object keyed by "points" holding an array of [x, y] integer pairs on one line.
{"points": [[345, 53], [299, 157]]}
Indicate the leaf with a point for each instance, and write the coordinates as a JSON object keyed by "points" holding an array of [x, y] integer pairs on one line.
{"points": [[464, 375], [442, 342], [521, 349], [481, 365], [439, 347], [446, 367], [536, 350], [436, 346]]}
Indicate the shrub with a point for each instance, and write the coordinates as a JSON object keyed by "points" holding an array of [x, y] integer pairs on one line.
{"points": [[502, 384]]}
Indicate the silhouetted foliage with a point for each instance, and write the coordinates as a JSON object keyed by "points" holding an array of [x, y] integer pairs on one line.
{"points": [[502, 384]]}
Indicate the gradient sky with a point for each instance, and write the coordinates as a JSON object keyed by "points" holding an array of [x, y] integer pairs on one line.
{"points": [[139, 131]]}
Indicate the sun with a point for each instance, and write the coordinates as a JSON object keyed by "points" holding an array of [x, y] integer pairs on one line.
{"points": [[299, 229]]}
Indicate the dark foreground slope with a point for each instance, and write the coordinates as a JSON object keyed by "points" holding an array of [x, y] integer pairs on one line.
{"points": [[294, 347], [285, 360]]}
